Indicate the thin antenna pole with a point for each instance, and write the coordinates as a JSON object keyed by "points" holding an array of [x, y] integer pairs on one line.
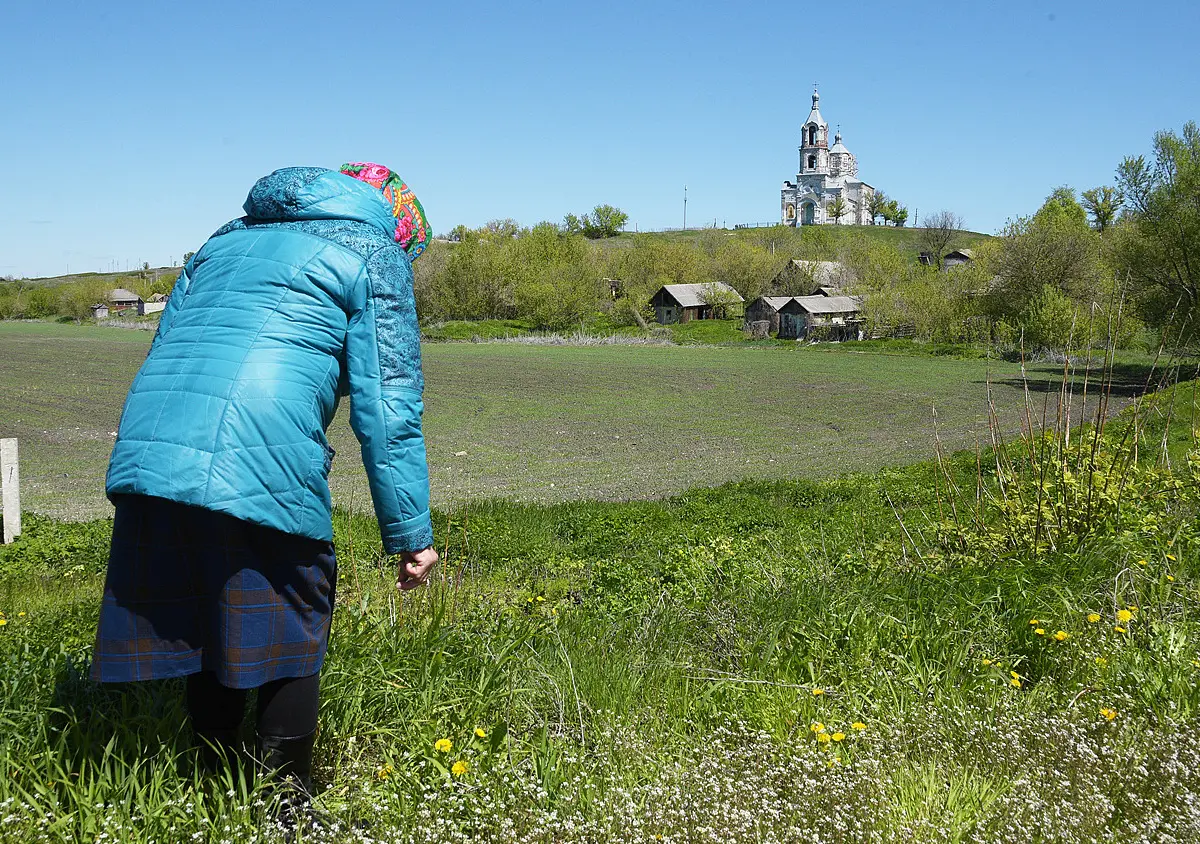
{"points": [[685, 207]]}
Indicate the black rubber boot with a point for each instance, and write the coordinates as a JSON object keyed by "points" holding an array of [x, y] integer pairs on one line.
{"points": [[220, 750], [289, 762]]}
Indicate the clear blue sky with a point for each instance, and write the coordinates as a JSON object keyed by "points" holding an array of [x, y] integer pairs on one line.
{"points": [[130, 131]]}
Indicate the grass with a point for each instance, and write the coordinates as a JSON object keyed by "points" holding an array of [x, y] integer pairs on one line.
{"points": [[542, 424], [866, 658]]}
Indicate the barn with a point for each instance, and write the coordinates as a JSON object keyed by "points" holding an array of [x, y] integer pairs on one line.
{"points": [[687, 302], [766, 308], [821, 318], [100, 310]]}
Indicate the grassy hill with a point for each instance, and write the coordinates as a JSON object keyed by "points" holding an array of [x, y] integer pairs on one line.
{"points": [[805, 239]]}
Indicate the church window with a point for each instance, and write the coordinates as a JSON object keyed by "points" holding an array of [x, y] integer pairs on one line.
{"points": [[812, 161], [812, 135]]}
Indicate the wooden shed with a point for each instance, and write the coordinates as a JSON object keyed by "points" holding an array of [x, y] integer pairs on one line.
{"points": [[957, 258], [821, 318], [766, 308], [686, 302], [100, 310]]}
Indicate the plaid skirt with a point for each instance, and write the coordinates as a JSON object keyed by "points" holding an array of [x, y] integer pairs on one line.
{"points": [[191, 590]]}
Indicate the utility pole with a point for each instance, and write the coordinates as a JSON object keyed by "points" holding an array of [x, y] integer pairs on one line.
{"points": [[685, 207]]}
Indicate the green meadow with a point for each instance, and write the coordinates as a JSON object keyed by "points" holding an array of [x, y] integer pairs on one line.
{"points": [[873, 638], [557, 423]]}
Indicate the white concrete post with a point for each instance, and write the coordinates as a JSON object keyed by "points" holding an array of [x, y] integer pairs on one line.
{"points": [[10, 489]]}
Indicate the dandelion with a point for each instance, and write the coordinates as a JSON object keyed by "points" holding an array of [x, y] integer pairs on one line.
{"points": [[443, 745], [1062, 635], [1170, 579], [21, 614], [1120, 629], [1124, 615], [818, 692], [824, 738], [839, 736], [3, 621], [459, 768], [481, 732], [1015, 683], [1141, 562], [1171, 557], [1101, 661], [858, 725], [385, 772], [1093, 617], [1108, 714], [1133, 608], [1041, 631], [1033, 622], [540, 599], [817, 727], [987, 661]]}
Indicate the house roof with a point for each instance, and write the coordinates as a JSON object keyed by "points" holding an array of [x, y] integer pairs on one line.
{"points": [[969, 254], [122, 295], [829, 304], [692, 295], [776, 302], [823, 272], [158, 297]]}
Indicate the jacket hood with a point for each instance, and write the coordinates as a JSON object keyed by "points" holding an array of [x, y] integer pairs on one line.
{"points": [[316, 193]]}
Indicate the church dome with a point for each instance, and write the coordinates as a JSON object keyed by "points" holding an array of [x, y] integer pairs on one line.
{"points": [[814, 116], [838, 146]]}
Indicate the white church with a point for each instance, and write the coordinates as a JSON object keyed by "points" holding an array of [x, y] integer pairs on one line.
{"points": [[825, 174]]}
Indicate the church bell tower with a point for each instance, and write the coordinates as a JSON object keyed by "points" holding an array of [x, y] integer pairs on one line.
{"points": [[814, 142]]}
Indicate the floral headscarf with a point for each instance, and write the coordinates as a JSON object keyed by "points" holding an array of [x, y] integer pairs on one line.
{"points": [[412, 229]]}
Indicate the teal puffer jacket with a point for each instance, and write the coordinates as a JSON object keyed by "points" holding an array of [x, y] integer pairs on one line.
{"points": [[303, 300]]}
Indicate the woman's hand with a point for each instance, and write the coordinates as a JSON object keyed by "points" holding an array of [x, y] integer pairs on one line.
{"points": [[414, 567]]}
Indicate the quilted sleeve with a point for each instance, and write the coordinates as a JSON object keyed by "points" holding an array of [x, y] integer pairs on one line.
{"points": [[173, 304], [383, 359]]}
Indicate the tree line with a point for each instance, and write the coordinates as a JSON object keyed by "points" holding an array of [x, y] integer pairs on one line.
{"points": [[1097, 266]]}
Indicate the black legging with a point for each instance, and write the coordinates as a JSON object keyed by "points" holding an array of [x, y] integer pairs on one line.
{"points": [[287, 708]]}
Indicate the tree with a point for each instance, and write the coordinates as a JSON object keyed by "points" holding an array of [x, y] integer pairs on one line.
{"points": [[837, 208], [720, 299], [1159, 249], [876, 205], [1061, 203], [572, 224], [604, 221], [939, 233], [899, 214], [1102, 203]]}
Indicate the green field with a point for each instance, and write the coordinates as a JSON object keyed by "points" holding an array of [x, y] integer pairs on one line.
{"points": [[545, 424]]}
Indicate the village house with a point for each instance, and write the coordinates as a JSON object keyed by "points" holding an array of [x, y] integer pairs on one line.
{"points": [[804, 278], [821, 318], [766, 309], [99, 311], [686, 302], [120, 299]]}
